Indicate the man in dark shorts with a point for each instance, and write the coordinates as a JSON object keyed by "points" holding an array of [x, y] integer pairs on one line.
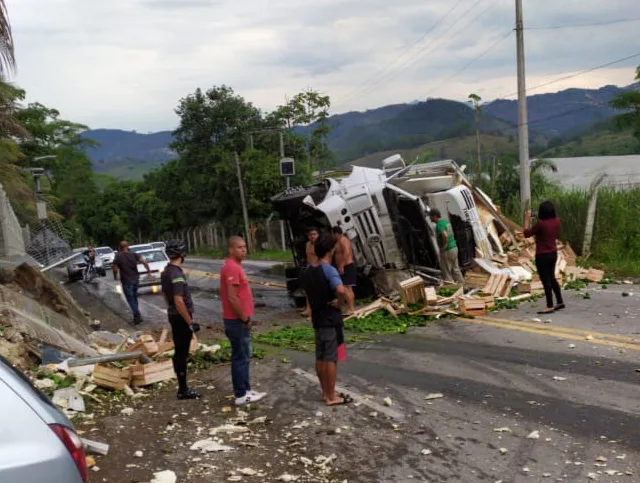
{"points": [[180, 312], [126, 262], [343, 259], [326, 293]]}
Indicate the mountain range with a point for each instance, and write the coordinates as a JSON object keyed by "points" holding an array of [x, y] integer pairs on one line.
{"points": [[563, 114]]}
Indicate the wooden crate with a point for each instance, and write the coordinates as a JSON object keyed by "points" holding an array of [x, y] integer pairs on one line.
{"points": [[476, 280], [149, 343], [472, 306], [595, 275], [431, 295], [412, 291], [111, 377], [499, 285], [530, 287], [145, 374], [487, 298]]}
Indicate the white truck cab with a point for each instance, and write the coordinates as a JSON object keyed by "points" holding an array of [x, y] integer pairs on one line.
{"points": [[385, 214]]}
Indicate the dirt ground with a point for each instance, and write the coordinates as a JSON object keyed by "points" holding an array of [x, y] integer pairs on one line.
{"points": [[290, 432]]}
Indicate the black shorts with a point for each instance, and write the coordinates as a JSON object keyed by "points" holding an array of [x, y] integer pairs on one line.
{"points": [[350, 275], [327, 344]]}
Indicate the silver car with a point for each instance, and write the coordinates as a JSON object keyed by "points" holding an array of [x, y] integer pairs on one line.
{"points": [[37, 442]]}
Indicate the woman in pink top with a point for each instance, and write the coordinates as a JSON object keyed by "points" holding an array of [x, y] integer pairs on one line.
{"points": [[546, 232]]}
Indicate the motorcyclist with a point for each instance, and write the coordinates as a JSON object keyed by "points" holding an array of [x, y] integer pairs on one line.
{"points": [[89, 257]]}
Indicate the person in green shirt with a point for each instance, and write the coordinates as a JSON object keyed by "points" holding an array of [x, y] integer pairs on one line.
{"points": [[448, 248]]}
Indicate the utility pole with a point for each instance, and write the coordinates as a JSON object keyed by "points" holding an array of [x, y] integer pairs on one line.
{"points": [[288, 181], [523, 120], [244, 203]]}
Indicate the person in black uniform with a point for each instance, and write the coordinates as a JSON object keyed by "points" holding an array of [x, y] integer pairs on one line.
{"points": [[180, 312]]}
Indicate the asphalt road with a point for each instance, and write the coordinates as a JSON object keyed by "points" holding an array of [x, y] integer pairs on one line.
{"points": [[525, 398], [205, 290]]}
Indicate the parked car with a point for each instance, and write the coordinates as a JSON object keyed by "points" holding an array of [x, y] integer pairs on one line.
{"points": [[38, 443], [141, 247], [162, 245], [107, 255], [157, 260]]}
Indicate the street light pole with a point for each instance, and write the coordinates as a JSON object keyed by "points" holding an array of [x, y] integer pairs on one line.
{"points": [[523, 126], [244, 202], [287, 178]]}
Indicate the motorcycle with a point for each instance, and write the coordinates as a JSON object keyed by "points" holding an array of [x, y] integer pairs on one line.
{"points": [[93, 269]]}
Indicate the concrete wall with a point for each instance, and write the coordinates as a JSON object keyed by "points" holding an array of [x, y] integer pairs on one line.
{"points": [[11, 233]]}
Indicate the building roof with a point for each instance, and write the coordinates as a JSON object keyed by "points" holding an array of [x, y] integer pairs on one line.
{"points": [[623, 172]]}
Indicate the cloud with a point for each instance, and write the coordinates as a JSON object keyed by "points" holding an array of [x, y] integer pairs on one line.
{"points": [[126, 63]]}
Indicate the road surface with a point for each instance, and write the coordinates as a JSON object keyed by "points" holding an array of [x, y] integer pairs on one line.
{"points": [[514, 397]]}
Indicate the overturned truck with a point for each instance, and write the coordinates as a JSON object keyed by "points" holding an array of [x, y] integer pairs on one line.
{"points": [[385, 214]]}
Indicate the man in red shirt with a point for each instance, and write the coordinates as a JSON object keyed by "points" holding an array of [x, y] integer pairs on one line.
{"points": [[237, 310]]}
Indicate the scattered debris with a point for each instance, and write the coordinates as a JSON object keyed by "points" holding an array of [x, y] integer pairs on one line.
{"points": [[572, 346], [387, 401], [502, 430], [534, 435], [68, 398], [127, 411], [426, 452], [138, 454], [166, 476], [434, 395], [228, 429], [601, 459], [287, 477], [504, 450], [95, 447], [209, 446], [559, 378]]}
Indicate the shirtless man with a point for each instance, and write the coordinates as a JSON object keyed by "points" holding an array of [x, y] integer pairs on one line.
{"points": [[343, 259], [312, 260]]}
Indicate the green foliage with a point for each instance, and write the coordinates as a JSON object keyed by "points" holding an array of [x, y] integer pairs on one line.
{"points": [[301, 338], [575, 285], [447, 291], [629, 102]]}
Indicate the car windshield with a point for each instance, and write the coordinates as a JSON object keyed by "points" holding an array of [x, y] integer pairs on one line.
{"points": [[104, 251], [139, 248], [154, 256], [77, 259], [158, 245]]}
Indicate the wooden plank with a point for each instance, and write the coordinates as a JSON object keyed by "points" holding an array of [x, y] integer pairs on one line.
{"points": [[430, 295], [595, 275], [153, 378], [163, 336]]}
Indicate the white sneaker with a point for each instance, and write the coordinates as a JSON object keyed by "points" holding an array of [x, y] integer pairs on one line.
{"points": [[248, 399], [257, 394]]}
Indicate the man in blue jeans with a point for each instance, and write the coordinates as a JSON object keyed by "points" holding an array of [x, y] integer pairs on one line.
{"points": [[237, 310], [126, 263]]}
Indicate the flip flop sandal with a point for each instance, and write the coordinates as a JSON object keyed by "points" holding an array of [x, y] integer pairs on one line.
{"points": [[345, 400], [346, 397]]}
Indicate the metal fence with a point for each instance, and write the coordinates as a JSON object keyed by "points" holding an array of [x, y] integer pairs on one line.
{"points": [[266, 234]]}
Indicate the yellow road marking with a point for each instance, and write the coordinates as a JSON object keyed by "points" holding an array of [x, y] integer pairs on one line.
{"points": [[569, 330], [199, 273], [503, 324]]}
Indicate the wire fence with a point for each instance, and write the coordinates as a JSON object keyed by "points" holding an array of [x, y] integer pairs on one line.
{"points": [[48, 241], [263, 235]]}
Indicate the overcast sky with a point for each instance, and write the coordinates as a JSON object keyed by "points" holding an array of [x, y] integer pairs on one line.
{"points": [[126, 63]]}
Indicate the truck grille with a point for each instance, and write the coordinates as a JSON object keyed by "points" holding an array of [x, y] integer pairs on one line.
{"points": [[371, 237]]}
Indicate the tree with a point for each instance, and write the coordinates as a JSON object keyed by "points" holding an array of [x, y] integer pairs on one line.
{"points": [[475, 98], [310, 110], [630, 103]]}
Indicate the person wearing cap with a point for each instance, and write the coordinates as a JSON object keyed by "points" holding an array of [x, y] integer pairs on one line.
{"points": [[180, 312], [449, 265]]}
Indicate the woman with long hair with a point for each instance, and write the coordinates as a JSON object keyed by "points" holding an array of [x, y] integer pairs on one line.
{"points": [[546, 232]]}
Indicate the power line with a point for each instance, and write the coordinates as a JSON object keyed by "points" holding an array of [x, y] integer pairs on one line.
{"points": [[408, 64], [473, 61], [571, 76], [580, 25], [389, 66]]}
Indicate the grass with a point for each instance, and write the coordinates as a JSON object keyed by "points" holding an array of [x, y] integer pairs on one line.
{"points": [[265, 255]]}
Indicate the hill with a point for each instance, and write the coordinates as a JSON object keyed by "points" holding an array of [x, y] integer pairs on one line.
{"points": [[128, 154], [562, 113], [554, 118], [455, 148]]}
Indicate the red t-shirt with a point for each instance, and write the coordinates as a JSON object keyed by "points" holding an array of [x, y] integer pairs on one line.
{"points": [[233, 274], [546, 233]]}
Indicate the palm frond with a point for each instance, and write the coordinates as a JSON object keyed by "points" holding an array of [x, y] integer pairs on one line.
{"points": [[7, 51]]}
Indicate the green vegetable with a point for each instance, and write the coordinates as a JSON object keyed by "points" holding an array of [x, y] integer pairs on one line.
{"points": [[447, 291]]}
